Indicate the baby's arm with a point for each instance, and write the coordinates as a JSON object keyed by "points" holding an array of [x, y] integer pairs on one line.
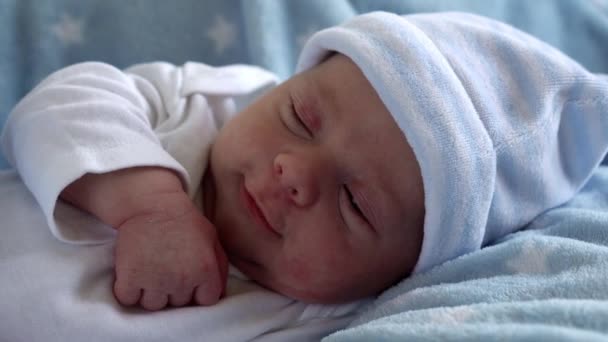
{"points": [[83, 123], [116, 196], [167, 252]]}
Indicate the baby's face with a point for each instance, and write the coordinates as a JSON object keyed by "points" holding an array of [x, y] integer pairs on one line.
{"points": [[316, 193]]}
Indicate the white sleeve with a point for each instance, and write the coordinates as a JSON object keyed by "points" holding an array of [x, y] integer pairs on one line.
{"points": [[94, 118]]}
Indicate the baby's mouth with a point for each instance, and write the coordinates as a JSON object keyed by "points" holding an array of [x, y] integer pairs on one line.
{"points": [[256, 212]]}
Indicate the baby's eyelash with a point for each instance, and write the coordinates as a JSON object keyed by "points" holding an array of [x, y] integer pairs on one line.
{"points": [[353, 203], [299, 119]]}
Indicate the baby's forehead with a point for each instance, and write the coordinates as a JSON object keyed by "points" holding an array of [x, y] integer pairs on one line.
{"points": [[338, 82]]}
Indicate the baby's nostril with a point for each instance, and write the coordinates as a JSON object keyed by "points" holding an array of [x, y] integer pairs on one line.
{"points": [[278, 169], [294, 192]]}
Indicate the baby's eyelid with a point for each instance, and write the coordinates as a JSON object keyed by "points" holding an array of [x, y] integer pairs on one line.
{"points": [[353, 203], [301, 122], [355, 213], [293, 123]]}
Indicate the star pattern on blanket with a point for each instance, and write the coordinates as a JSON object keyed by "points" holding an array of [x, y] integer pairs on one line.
{"points": [[68, 30], [602, 4], [222, 33], [532, 259]]}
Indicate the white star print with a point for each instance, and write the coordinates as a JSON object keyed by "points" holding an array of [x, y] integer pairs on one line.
{"points": [[68, 30], [302, 38], [532, 259], [602, 4], [222, 33]]}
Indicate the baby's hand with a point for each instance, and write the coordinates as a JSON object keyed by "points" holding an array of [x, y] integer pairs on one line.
{"points": [[169, 256]]}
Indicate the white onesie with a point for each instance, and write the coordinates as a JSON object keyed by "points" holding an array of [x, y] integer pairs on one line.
{"points": [[92, 117]]}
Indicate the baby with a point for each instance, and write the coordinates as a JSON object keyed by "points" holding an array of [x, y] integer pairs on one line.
{"points": [[403, 143], [288, 198]]}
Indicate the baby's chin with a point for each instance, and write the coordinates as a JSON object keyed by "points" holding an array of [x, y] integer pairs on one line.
{"points": [[334, 288], [314, 292]]}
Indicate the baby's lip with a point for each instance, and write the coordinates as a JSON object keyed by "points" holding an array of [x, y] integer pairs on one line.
{"points": [[257, 212]]}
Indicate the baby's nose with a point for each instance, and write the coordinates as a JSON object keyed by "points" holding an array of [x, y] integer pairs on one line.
{"points": [[298, 178]]}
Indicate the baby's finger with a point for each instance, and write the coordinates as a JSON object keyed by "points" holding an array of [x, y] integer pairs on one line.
{"points": [[126, 295], [205, 296], [210, 290], [153, 300], [180, 298], [212, 281]]}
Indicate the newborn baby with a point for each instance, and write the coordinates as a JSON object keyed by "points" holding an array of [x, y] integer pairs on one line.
{"points": [[302, 183], [404, 142]]}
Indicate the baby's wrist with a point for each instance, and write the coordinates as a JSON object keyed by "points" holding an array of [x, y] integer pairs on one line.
{"points": [[155, 208], [117, 196]]}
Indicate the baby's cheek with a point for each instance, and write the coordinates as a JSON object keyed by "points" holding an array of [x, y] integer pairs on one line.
{"points": [[298, 270], [302, 280], [313, 275]]}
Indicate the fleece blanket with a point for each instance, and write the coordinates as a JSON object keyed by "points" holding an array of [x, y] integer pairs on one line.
{"points": [[548, 282]]}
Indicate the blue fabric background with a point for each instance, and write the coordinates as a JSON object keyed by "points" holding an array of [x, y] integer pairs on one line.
{"points": [[547, 283], [40, 36]]}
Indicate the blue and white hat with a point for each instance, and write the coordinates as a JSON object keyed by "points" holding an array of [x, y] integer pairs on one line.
{"points": [[503, 126]]}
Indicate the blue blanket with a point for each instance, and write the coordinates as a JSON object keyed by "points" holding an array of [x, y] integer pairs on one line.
{"points": [[39, 36], [549, 282]]}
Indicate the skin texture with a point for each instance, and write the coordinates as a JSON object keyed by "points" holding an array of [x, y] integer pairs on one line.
{"points": [[167, 252], [314, 190]]}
